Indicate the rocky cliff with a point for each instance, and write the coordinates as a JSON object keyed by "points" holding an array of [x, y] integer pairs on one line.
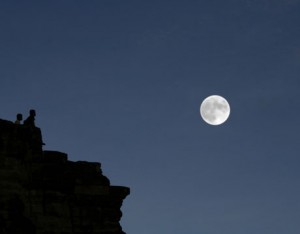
{"points": [[43, 192]]}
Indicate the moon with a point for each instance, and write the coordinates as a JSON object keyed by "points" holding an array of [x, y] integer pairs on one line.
{"points": [[214, 110]]}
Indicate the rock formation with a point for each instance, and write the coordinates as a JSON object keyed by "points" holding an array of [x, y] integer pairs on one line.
{"points": [[43, 192]]}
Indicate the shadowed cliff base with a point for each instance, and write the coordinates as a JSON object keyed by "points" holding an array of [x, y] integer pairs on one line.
{"points": [[43, 192]]}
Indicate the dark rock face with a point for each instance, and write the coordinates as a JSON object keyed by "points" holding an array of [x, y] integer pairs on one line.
{"points": [[44, 192]]}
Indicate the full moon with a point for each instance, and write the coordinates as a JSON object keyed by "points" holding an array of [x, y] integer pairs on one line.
{"points": [[214, 110]]}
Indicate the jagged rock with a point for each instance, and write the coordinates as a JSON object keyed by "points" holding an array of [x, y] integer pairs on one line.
{"points": [[43, 192]]}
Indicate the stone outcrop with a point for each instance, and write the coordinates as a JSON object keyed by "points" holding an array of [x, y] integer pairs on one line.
{"points": [[43, 192]]}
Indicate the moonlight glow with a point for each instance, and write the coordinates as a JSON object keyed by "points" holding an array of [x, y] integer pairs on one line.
{"points": [[215, 110]]}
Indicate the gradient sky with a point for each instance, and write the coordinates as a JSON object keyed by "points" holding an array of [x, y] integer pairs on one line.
{"points": [[120, 82]]}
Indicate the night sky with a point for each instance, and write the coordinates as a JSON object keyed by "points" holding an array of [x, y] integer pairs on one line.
{"points": [[121, 82]]}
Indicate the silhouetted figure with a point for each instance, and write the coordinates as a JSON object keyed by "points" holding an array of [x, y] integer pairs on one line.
{"points": [[30, 120], [35, 142], [19, 118]]}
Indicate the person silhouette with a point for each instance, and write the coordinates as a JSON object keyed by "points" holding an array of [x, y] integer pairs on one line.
{"points": [[36, 140], [19, 118], [30, 120]]}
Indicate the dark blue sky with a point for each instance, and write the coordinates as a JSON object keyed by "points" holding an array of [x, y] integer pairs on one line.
{"points": [[121, 82]]}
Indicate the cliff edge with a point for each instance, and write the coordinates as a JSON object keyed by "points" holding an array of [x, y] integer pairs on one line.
{"points": [[43, 192]]}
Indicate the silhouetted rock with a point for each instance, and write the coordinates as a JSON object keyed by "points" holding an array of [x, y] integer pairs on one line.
{"points": [[43, 192]]}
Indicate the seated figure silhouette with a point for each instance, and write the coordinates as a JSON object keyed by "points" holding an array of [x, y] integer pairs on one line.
{"points": [[36, 140], [31, 118], [19, 118]]}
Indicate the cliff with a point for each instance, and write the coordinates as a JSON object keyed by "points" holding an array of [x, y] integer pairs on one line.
{"points": [[43, 192]]}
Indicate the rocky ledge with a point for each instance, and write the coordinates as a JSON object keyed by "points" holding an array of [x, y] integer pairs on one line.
{"points": [[43, 192]]}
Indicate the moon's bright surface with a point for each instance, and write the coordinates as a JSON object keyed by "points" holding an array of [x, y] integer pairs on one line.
{"points": [[215, 110]]}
